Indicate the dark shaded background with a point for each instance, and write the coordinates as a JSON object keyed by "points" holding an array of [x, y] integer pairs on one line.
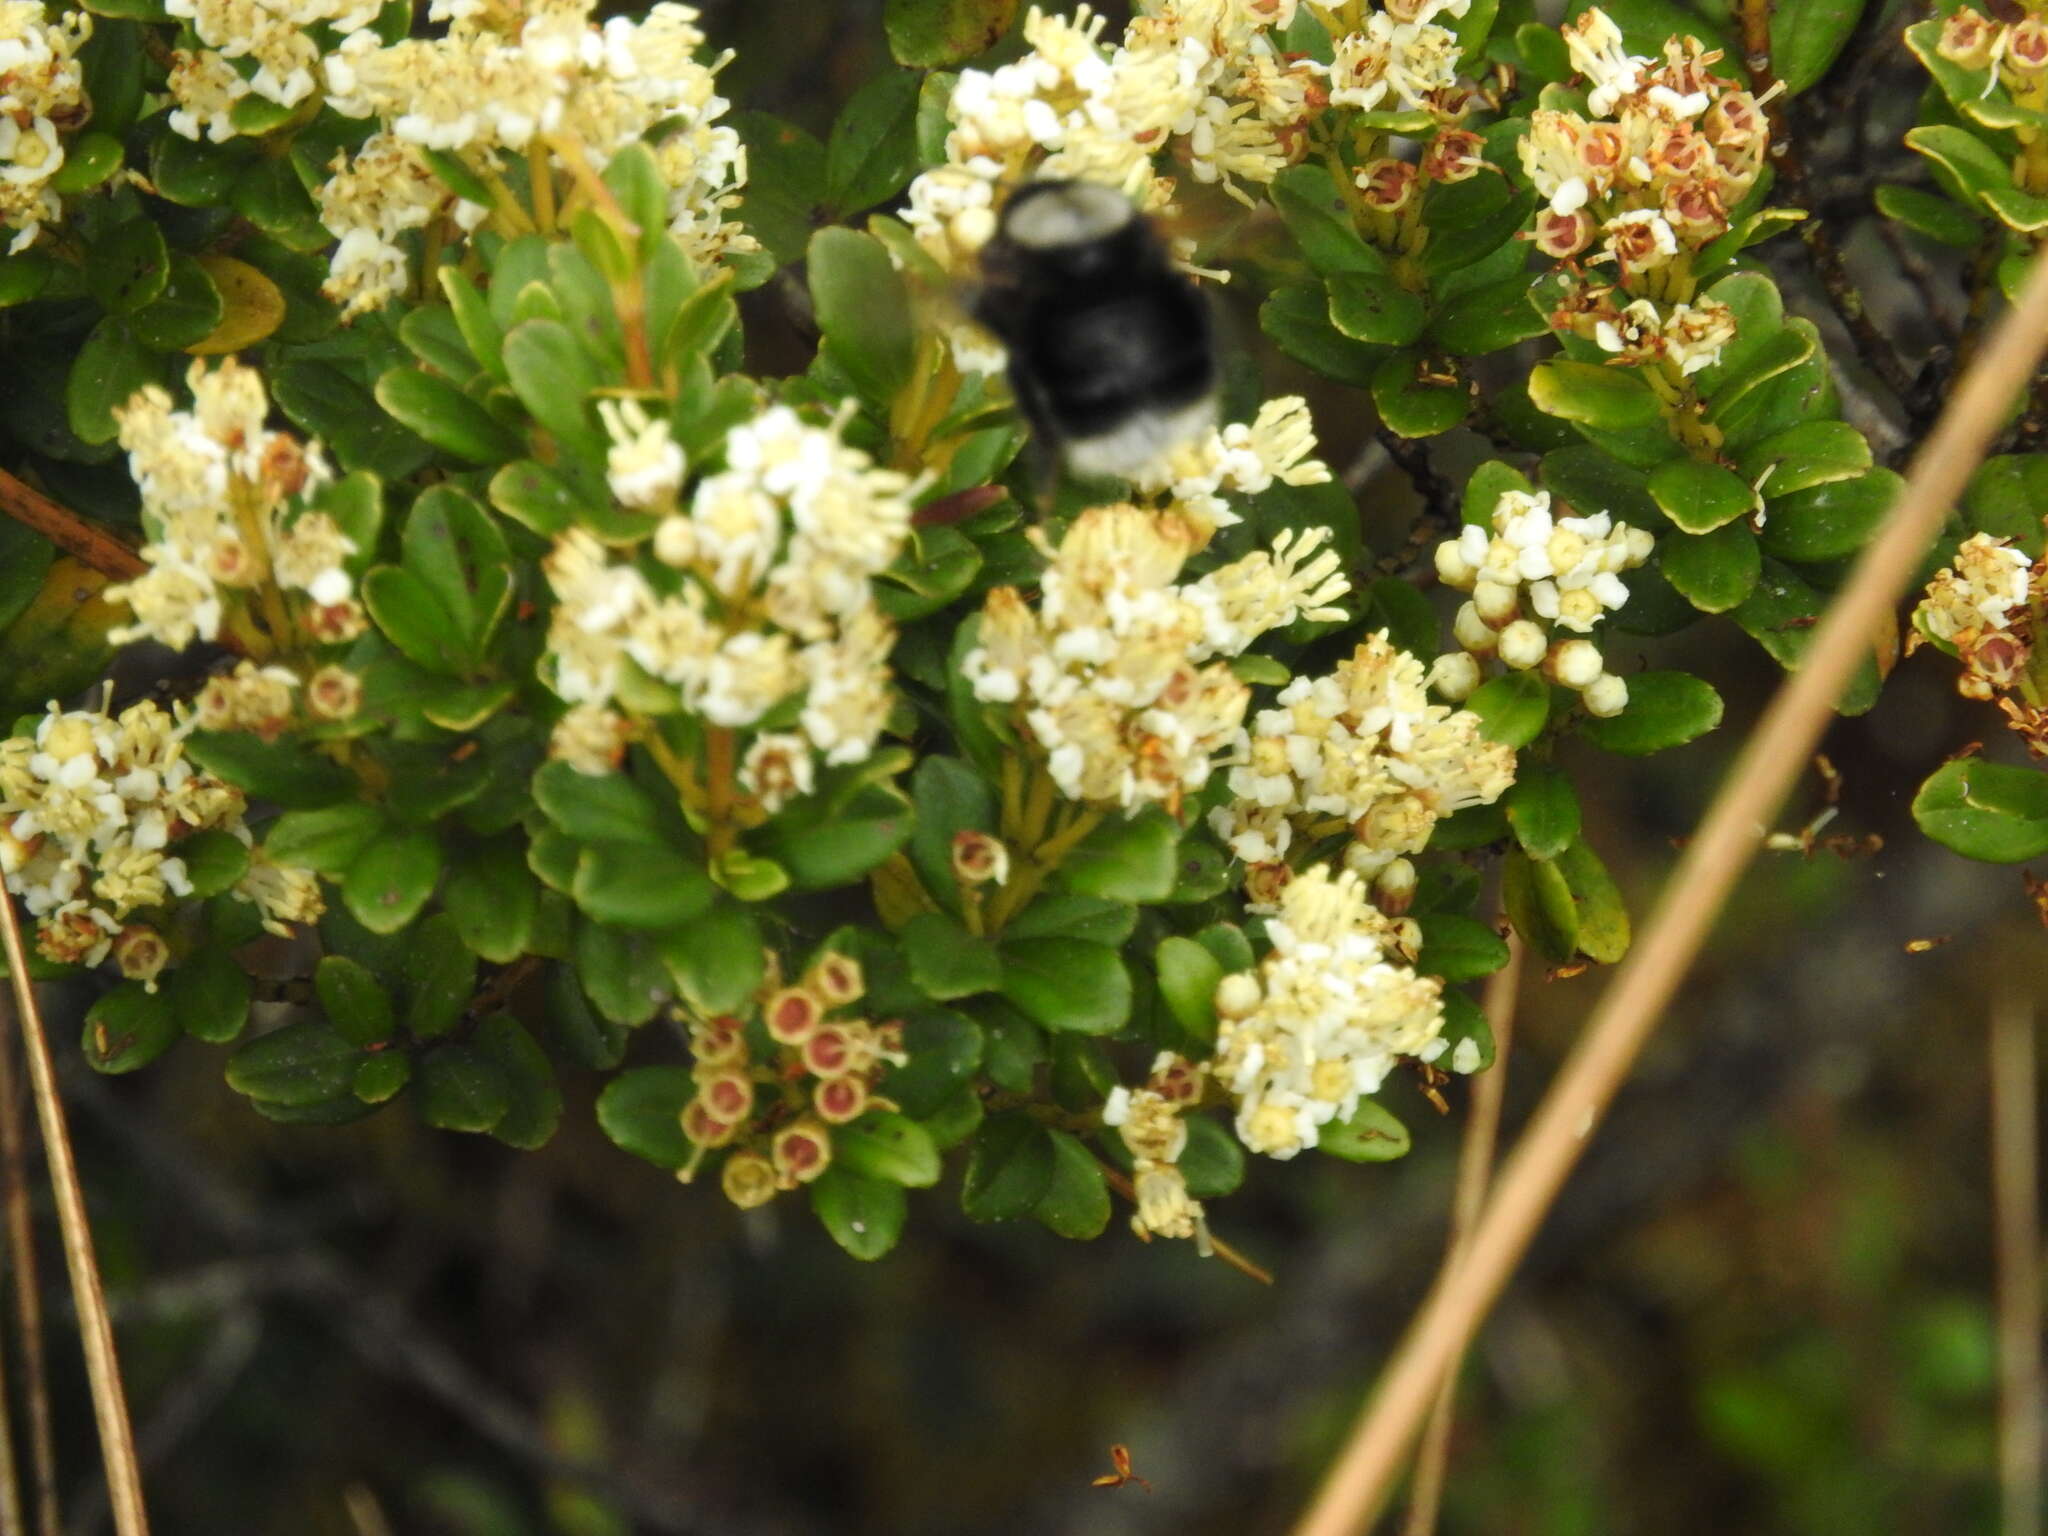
{"points": [[1762, 1304]]}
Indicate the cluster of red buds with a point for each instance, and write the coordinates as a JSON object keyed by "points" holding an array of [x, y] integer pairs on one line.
{"points": [[772, 1094]]}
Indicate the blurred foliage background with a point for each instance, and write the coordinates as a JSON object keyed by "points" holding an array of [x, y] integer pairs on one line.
{"points": [[1763, 1304]]}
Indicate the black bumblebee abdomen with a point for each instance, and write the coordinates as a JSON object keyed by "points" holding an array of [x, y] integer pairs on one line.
{"points": [[1098, 362]]}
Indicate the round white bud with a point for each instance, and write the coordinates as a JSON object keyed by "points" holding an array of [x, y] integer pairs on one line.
{"points": [[1495, 602], [1523, 645], [1238, 995], [1454, 675], [1576, 663], [1452, 568], [1605, 696], [1473, 632]]}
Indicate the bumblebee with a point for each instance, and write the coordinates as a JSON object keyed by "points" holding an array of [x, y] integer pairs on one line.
{"points": [[1112, 357]]}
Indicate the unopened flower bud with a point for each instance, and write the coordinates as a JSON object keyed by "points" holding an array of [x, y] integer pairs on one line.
{"points": [[1605, 696], [792, 1016], [1523, 644], [1575, 663], [1393, 888], [979, 859], [1495, 602], [1472, 632], [1454, 676], [1238, 996], [1452, 568], [801, 1151], [748, 1180]]}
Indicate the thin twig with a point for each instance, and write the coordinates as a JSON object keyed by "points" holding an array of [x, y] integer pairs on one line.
{"points": [[2015, 1187], [1475, 1170], [28, 1291], [67, 530], [1754, 789], [96, 1331], [1439, 498], [1221, 1249]]}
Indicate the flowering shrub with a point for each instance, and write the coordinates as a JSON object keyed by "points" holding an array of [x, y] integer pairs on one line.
{"points": [[562, 676]]}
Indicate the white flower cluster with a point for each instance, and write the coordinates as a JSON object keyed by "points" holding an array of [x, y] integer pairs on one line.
{"points": [[1107, 674], [1564, 570], [1402, 54], [1979, 591], [218, 492], [1671, 149], [1149, 1120], [42, 94], [92, 809], [1202, 77], [511, 79], [1247, 458], [1323, 1019], [254, 48], [777, 553], [1688, 335], [1363, 745]]}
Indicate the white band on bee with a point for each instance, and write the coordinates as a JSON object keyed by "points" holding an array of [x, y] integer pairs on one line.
{"points": [[1073, 214]]}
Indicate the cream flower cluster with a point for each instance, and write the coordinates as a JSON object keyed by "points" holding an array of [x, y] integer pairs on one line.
{"points": [[1689, 336], [776, 555], [1149, 1121], [1202, 77], [1981, 605], [92, 810], [1403, 58], [1323, 1019], [1670, 149], [1107, 674], [1363, 745], [219, 493], [1565, 571], [42, 95], [501, 81], [1244, 458], [256, 48]]}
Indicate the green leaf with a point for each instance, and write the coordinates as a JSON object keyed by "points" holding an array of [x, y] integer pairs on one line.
{"points": [[1126, 859], [932, 34], [1543, 810], [1539, 904], [1665, 710], [441, 978], [188, 311], [1227, 942], [640, 887], [1213, 1160], [598, 808], [128, 267], [214, 861], [574, 1027], [946, 961], [1834, 520], [863, 310], [824, 848], [1318, 217], [1714, 571], [390, 881], [1412, 406], [1937, 218], [1995, 812], [1488, 318], [1189, 974], [886, 1146], [2005, 498], [717, 961], [951, 798], [1009, 1168], [128, 1028], [209, 994], [944, 1048], [1076, 1199], [534, 1099], [111, 367], [785, 182], [864, 1216], [1512, 709], [283, 771], [436, 340], [1465, 1021], [1807, 36], [1371, 1135], [91, 162], [1612, 399], [1459, 948], [444, 416], [326, 403], [641, 1111], [492, 897], [1375, 309], [298, 1065], [1090, 918], [1067, 984], [1603, 924], [355, 1002], [1406, 615], [1778, 616], [1973, 164], [461, 1089], [871, 153], [555, 378], [1812, 453], [1780, 351], [1591, 480], [1297, 319], [1700, 497], [621, 972], [457, 553], [381, 1078]]}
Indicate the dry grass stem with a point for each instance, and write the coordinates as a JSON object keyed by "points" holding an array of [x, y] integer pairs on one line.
{"points": [[96, 1331], [68, 531], [1475, 1169], [28, 1292], [2015, 1189], [1357, 1486]]}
